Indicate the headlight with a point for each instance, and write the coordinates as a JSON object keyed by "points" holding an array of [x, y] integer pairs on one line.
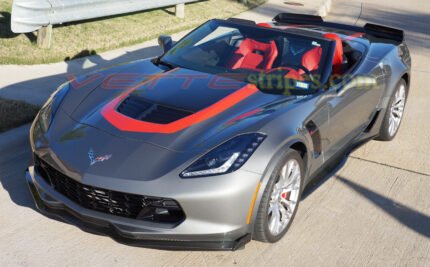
{"points": [[51, 106], [225, 158]]}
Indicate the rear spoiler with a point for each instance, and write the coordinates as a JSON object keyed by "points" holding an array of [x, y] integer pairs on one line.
{"points": [[373, 31], [242, 21], [384, 32], [292, 18]]}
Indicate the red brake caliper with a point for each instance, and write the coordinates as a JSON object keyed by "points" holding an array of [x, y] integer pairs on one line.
{"points": [[285, 195]]}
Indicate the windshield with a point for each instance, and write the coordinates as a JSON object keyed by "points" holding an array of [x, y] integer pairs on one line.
{"points": [[253, 53]]}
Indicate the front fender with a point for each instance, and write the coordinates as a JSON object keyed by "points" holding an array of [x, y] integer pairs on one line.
{"points": [[274, 160]]}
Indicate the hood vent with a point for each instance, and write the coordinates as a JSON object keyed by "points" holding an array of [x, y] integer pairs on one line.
{"points": [[140, 109]]}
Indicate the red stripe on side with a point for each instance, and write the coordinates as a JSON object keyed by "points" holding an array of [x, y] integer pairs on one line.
{"points": [[244, 115], [127, 124]]}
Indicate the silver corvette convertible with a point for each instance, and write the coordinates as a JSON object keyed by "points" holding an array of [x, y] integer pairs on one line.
{"points": [[212, 143]]}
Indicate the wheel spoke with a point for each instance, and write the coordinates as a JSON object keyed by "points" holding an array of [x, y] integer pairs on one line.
{"points": [[292, 178], [391, 126], [283, 175], [397, 109], [272, 224], [397, 113], [396, 120], [275, 221], [271, 209], [292, 186], [290, 204], [289, 168], [285, 217], [399, 104]]}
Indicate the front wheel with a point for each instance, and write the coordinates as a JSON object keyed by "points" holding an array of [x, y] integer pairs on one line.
{"points": [[394, 114], [280, 199]]}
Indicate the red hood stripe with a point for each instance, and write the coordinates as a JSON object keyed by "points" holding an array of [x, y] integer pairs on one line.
{"points": [[128, 124]]}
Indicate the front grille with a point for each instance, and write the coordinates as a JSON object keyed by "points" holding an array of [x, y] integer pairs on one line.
{"points": [[138, 108], [108, 201]]}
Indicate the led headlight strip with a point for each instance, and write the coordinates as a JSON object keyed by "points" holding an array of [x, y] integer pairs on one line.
{"points": [[227, 157]]}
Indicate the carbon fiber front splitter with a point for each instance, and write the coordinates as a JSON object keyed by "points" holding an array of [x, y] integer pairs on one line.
{"points": [[61, 212]]}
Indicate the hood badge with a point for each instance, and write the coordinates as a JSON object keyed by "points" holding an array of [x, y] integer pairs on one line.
{"points": [[96, 159]]}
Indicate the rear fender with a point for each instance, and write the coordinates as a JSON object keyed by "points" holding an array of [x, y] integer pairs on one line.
{"points": [[395, 68]]}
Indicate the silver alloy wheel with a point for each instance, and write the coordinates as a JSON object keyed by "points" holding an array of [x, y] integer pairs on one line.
{"points": [[284, 197], [396, 112]]}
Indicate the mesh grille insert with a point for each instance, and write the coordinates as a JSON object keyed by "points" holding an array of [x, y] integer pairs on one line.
{"points": [[108, 201]]}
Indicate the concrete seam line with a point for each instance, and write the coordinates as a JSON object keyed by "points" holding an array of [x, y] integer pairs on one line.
{"points": [[390, 166]]}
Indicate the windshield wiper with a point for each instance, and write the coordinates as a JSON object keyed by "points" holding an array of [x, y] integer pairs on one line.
{"points": [[158, 61]]}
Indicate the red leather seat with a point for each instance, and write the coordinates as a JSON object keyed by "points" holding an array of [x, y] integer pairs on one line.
{"points": [[264, 24], [338, 52], [312, 58], [252, 54]]}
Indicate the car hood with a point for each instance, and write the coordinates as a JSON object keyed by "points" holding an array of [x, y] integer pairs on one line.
{"points": [[179, 109], [90, 156]]}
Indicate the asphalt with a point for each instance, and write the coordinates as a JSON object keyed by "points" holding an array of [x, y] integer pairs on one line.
{"points": [[373, 211]]}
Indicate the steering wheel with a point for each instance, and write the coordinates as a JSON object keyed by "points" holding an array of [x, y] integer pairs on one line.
{"points": [[293, 72], [295, 68], [304, 69]]}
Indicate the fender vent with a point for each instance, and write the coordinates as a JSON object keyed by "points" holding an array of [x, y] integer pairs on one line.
{"points": [[140, 109], [314, 132]]}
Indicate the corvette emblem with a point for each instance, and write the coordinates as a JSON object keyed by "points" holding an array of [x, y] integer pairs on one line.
{"points": [[295, 51], [94, 159]]}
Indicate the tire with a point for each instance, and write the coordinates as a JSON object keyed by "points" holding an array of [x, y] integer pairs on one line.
{"points": [[390, 126], [273, 196]]}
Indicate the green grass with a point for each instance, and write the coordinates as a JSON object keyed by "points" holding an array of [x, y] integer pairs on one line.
{"points": [[107, 34], [15, 113]]}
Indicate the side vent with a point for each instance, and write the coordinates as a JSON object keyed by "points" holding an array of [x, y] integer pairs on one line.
{"points": [[140, 109], [316, 137]]}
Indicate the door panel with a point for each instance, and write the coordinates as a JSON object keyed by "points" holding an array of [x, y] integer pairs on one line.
{"points": [[351, 108]]}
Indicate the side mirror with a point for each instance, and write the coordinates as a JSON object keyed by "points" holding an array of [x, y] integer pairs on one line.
{"points": [[165, 42]]}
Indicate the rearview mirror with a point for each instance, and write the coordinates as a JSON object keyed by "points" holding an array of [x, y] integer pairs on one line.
{"points": [[165, 42]]}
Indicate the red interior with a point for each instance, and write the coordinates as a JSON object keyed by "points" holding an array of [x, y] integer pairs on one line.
{"points": [[264, 24], [312, 58], [290, 73], [338, 52], [252, 54]]}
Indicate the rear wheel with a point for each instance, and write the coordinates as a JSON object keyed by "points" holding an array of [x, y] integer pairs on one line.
{"points": [[280, 199], [394, 114]]}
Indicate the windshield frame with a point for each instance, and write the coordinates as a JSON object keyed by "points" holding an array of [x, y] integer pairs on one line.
{"points": [[326, 57]]}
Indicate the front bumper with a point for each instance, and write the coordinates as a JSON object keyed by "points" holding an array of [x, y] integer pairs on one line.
{"points": [[129, 231]]}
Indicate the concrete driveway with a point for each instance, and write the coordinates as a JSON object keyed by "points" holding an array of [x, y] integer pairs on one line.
{"points": [[375, 210]]}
